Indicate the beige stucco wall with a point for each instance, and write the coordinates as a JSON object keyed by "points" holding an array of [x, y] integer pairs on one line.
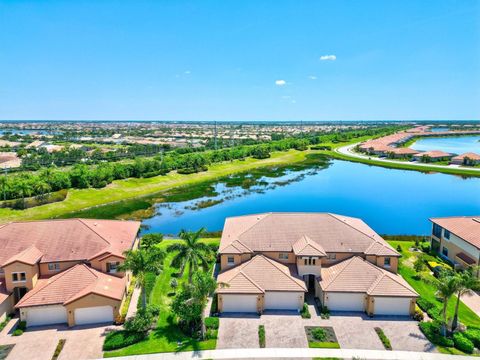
{"points": [[64, 265], [309, 269], [238, 259], [456, 245], [6, 307], [274, 255], [31, 274], [393, 263], [102, 265], [91, 300], [339, 257]]}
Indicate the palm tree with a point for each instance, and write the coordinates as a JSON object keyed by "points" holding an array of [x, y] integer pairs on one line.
{"points": [[466, 282], [3, 185], [142, 262], [191, 252], [446, 286], [41, 188], [24, 189]]}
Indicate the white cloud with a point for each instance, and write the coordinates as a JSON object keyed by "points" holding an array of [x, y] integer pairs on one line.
{"points": [[312, 77], [280, 82], [187, 72], [328, 57]]}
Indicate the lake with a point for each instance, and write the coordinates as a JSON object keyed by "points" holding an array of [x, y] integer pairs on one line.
{"points": [[454, 145], [390, 201]]}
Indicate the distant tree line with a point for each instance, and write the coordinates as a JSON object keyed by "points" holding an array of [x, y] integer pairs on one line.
{"points": [[81, 176]]}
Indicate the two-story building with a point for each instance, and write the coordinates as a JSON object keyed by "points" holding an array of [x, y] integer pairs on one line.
{"points": [[457, 239], [64, 271], [270, 261]]}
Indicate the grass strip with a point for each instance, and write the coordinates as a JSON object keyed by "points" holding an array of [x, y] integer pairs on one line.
{"points": [[261, 336]]}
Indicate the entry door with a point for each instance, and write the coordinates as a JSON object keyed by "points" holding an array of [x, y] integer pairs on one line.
{"points": [[18, 293]]}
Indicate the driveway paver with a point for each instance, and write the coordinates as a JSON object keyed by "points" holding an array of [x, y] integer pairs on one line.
{"points": [[39, 343], [237, 332]]}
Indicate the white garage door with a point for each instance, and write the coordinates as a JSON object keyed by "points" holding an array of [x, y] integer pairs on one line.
{"points": [[392, 306], [46, 315], [93, 315], [239, 303], [282, 300], [346, 301]]}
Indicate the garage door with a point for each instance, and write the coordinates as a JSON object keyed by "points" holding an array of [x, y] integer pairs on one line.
{"points": [[282, 300], [93, 315], [46, 315], [239, 303], [346, 301], [392, 306]]}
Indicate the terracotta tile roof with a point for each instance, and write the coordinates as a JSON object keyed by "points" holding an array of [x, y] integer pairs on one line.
{"points": [[344, 277], [29, 256], [280, 231], [465, 227], [470, 155], [404, 151], [258, 275], [306, 247], [69, 239], [72, 284], [434, 154], [236, 247]]}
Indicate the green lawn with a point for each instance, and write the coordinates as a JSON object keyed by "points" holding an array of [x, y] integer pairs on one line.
{"points": [[426, 290], [167, 335], [324, 345]]}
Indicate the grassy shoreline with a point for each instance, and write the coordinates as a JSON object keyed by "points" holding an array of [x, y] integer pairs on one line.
{"points": [[81, 199]]}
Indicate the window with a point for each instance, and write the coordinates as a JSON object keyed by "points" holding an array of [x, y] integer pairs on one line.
{"points": [[387, 262], [54, 267], [19, 277], [312, 261], [305, 261], [112, 267], [437, 231], [230, 260], [309, 261], [446, 234], [283, 256], [331, 256], [445, 251]]}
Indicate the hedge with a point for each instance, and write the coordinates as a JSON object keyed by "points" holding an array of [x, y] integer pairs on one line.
{"points": [[432, 332], [121, 338], [462, 343], [212, 322], [474, 336]]}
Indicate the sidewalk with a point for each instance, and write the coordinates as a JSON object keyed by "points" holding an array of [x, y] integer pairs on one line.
{"points": [[132, 307], [472, 300], [297, 353]]}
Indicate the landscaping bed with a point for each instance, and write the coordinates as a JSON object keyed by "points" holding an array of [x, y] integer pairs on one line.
{"points": [[5, 350], [321, 337], [166, 335]]}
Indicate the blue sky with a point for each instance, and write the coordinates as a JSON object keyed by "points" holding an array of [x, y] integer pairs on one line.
{"points": [[240, 60]]}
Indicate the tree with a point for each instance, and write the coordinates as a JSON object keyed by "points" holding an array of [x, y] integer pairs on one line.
{"points": [[142, 262], [191, 252], [41, 188], [4, 185], [446, 286], [23, 189], [419, 264], [466, 281], [150, 240]]}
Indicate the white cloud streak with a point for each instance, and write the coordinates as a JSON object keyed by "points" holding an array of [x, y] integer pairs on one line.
{"points": [[328, 57], [280, 82]]}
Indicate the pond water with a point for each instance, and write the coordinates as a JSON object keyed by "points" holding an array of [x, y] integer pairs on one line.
{"points": [[390, 201], [27, 131], [454, 145]]}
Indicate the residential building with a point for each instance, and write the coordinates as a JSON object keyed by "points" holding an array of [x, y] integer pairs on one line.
{"points": [[270, 261], [64, 271], [468, 159], [432, 156], [457, 239]]}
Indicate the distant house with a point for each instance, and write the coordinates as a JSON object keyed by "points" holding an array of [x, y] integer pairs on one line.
{"points": [[433, 156], [269, 261], [402, 153], [64, 271], [457, 239], [469, 159], [9, 160], [35, 144]]}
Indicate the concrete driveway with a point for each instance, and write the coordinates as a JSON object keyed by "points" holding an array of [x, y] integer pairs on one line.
{"points": [[39, 343], [353, 330]]}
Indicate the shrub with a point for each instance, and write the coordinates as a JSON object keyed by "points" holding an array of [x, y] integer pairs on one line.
{"points": [[399, 248], [418, 315], [22, 325], [140, 323], [474, 336], [17, 332], [174, 283], [214, 306], [433, 310], [261, 336], [425, 246], [212, 322], [432, 332], [118, 339], [385, 340], [304, 312], [319, 334], [462, 343], [153, 309], [211, 334], [324, 313]]}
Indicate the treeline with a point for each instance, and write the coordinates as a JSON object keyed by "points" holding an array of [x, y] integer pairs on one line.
{"points": [[81, 176]]}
